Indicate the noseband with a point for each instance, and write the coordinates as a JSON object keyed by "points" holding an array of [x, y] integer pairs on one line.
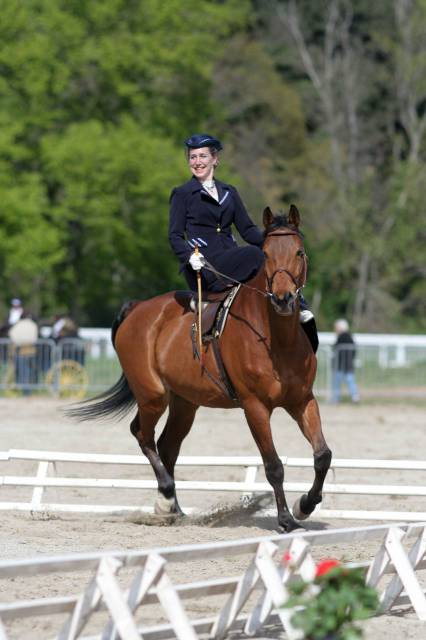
{"points": [[299, 282]]}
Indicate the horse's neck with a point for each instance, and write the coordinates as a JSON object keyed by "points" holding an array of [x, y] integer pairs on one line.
{"points": [[282, 329]]}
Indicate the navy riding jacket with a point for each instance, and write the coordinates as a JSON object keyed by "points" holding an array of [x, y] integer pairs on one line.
{"points": [[198, 218]]}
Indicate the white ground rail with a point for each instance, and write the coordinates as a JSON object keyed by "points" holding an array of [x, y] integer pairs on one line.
{"points": [[45, 478], [118, 587]]}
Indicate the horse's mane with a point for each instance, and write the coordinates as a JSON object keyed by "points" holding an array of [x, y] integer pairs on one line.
{"points": [[281, 222]]}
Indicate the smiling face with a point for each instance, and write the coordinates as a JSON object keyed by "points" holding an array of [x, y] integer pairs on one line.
{"points": [[202, 162]]}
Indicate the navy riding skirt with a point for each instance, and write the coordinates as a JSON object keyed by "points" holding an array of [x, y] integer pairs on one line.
{"points": [[239, 263]]}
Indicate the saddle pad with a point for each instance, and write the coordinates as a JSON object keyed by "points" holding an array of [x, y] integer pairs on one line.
{"points": [[223, 312]]}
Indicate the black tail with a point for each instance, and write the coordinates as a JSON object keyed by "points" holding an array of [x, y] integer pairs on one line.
{"points": [[115, 402]]}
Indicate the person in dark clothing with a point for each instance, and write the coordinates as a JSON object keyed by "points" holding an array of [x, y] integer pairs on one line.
{"points": [[203, 209], [202, 212], [344, 352], [65, 333]]}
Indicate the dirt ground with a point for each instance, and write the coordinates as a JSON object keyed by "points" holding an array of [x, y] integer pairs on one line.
{"points": [[393, 431]]}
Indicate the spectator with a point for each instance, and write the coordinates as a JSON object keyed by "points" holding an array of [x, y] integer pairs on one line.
{"points": [[343, 361], [16, 311], [64, 327], [65, 333], [24, 334]]}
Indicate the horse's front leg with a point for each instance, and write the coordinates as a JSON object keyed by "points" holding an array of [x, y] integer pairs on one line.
{"points": [[308, 418], [258, 418]]}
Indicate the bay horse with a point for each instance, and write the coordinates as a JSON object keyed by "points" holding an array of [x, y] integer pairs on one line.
{"points": [[267, 356]]}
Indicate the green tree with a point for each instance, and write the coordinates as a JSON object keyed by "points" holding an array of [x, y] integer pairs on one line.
{"points": [[111, 187], [96, 100], [263, 122], [358, 68]]}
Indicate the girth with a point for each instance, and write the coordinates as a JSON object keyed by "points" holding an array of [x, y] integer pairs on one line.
{"points": [[213, 321], [224, 381]]}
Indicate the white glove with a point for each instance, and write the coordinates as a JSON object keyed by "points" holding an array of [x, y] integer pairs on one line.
{"points": [[197, 261]]}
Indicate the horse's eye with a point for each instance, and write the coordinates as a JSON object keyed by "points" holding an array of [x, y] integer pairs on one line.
{"points": [[300, 253]]}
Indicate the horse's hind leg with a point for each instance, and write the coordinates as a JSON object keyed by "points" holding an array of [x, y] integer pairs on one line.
{"points": [[143, 428], [309, 421], [179, 422]]}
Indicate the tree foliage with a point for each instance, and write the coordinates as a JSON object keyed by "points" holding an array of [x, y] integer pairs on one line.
{"points": [[360, 69], [96, 100], [322, 104]]}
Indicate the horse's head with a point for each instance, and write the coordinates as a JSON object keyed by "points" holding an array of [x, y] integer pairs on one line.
{"points": [[285, 259]]}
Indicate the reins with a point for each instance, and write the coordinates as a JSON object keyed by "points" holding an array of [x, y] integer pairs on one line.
{"points": [[265, 294], [209, 267]]}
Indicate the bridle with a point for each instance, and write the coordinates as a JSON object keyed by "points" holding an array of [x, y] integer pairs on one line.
{"points": [[299, 282]]}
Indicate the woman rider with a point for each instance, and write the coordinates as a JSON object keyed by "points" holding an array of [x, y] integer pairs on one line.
{"points": [[204, 209], [201, 214]]}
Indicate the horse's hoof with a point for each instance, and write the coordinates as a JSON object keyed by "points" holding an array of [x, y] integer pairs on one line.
{"points": [[297, 510], [166, 506], [178, 510], [289, 526]]}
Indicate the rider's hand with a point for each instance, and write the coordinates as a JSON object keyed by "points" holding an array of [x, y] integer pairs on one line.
{"points": [[197, 261]]}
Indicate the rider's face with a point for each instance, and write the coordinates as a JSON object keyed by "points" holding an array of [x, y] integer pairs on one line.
{"points": [[202, 163]]}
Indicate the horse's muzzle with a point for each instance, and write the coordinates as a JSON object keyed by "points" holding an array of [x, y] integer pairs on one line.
{"points": [[286, 305]]}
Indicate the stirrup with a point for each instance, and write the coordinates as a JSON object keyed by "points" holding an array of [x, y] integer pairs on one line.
{"points": [[305, 315]]}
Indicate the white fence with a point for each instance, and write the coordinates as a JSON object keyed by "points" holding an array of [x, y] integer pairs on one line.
{"points": [[116, 586], [47, 366], [381, 371], [373, 496], [391, 367], [74, 368]]}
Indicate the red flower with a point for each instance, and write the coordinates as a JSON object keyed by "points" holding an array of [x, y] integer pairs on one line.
{"points": [[325, 566], [286, 557]]}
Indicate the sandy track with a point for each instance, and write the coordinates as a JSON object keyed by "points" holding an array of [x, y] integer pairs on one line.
{"points": [[365, 431]]}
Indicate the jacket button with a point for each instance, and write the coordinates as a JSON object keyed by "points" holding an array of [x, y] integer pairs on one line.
{"points": [[218, 229]]}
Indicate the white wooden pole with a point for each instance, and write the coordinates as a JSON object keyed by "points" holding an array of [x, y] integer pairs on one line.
{"points": [[405, 572], [415, 556], [42, 471], [115, 601], [244, 588], [174, 609], [143, 580]]}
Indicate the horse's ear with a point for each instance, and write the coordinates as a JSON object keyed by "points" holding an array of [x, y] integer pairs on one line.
{"points": [[268, 217], [294, 215]]}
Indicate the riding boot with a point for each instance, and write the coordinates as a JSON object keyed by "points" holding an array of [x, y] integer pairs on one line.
{"points": [[307, 320], [310, 328]]}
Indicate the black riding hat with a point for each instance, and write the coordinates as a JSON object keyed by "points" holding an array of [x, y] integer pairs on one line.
{"points": [[199, 140]]}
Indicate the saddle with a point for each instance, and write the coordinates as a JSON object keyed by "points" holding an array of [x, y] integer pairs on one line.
{"points": [[215, 309], [214, 312]]}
